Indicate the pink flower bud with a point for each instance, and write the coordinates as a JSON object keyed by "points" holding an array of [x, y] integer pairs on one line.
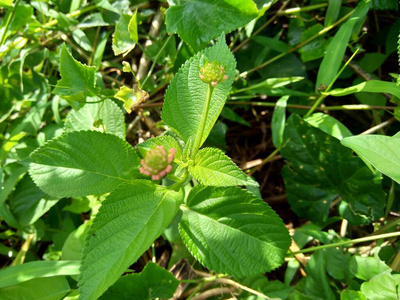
{"points": [[157, 162]]}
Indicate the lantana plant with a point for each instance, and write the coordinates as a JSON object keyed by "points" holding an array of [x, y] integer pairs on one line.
{"points": [[227, 228]]}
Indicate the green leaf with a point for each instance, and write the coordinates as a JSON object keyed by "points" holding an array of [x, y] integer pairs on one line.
{"points": [[273, 289], [329, 125], [6, 3], [198, 22], [105, 116], [278, 121], [128, 222], [352, 295], [212, 167], [229, 230], [152, 282], [316, 48], [316, 281], [53, 288], [77, 80], [28, 203], [166, 141], [384, 286], [185, 99], [379, 150], [125, 35], [366, 268], [385, 4], [372, 86], [320, 169], [131, 97], [36, 269], [83, 163], [331, 63], [332, 12], [73, 245]]}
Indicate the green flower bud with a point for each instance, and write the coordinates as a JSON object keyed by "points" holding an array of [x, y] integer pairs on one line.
{"points": [[213, 73], [157, 162]]}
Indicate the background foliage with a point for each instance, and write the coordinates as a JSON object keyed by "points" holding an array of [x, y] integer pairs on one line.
{"points": [[311, 117]]}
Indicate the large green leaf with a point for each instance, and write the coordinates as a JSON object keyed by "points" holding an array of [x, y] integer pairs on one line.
{"points": [[83, 163], [212, 167], [381, 151], [128, 222], [152, 282], [52, 288], [185, 99], [21, 273], [105, 116], [372, 86], [330, 65], [77, 80], [125, 35], [197, 22], [320, 169], [28, 203], [384, 286], [229, 230], [366, 268]]}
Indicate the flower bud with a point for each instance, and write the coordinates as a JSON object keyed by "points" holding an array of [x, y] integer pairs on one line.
{"points": [[213, 73], [157, 162]]}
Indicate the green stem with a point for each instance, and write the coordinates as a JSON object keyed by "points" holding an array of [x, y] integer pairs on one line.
{"points": [[296, 10], [8, 22], [323, 31], [349, 242], [155, 60], [203, 121], [321, 98], [74, 14]]}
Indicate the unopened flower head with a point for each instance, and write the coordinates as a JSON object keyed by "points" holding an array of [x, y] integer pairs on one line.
{"points": [[157, 162], [213, 73]]}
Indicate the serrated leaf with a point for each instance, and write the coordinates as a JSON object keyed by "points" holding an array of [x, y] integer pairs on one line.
{"points": [[77, 80], [152, 282], [128, 222], [197, 22], [320, 170], [212, 167], [83, 163], [131, 97], [185, 99], [379, 150], [166, 141], [105, 116], [229, 230], [122, 41]]}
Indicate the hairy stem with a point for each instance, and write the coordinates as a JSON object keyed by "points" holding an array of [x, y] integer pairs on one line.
{"points": [[203, 121]]}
